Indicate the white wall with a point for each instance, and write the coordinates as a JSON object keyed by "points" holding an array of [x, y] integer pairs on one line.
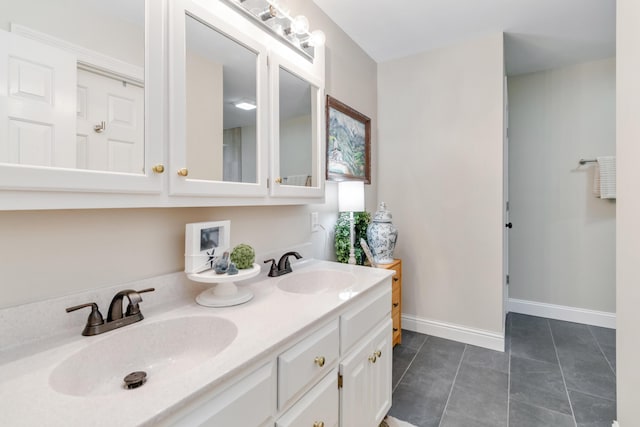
{"points": [[441, 118], [628, 212], [562, 244], [49, 253]]}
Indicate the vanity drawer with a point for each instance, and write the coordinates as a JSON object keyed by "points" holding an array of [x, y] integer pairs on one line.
{"points": [[355, 323], [307, 361], [318, 407]]}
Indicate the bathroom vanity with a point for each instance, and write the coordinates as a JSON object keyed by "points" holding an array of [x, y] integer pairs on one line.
{"points": [[312, 347]]}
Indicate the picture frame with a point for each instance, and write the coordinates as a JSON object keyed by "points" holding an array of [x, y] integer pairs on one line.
{"points": [[348, 143], [203, 242]]}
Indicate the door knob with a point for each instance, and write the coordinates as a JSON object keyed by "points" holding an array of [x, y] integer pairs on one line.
{"points": [[509, 225], [183, 172]]}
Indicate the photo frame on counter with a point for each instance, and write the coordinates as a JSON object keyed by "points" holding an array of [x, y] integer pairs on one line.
{"points": [[348, 143], [203, 242]]}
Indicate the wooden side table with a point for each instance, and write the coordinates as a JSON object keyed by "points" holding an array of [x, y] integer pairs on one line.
{"points": [[396, 299]]}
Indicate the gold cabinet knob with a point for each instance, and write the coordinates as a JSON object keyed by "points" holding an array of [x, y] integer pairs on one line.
{"points": [[278, 180], [158, 168], [318, 424], [319, 361], [373, 358], [183, 172], [395, 304], [378, 353]]}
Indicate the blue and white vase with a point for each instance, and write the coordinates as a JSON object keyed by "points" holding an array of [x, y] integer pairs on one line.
{"points": [[382, 235]]}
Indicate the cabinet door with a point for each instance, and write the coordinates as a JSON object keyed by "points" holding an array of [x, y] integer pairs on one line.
{"points": [[366, 380]]}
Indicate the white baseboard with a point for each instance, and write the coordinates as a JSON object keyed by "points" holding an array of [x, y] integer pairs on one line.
{"points": [[562, 312], [477, 337]]}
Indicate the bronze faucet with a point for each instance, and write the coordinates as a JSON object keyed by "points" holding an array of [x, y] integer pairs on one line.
{"points": [[115, 319], [284, 265]]}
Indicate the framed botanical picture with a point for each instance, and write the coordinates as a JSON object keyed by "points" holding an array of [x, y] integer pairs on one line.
{"points": [[203, 242], [348, 143]]}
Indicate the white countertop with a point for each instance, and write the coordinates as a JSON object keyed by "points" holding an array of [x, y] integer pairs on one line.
{"points": [[268, 323]]}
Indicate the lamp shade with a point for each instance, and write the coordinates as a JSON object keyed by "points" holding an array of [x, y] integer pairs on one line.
{"points": [[351, 196]]}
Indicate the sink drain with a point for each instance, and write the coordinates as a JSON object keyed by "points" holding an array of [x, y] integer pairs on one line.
{"points": [[135, 379]]}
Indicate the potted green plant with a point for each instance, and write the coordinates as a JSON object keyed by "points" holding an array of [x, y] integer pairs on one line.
{"points": [[342, 236]]}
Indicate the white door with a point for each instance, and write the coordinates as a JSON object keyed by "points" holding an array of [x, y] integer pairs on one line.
{"points": [[110, 134], [37, 103], [505, 192]]}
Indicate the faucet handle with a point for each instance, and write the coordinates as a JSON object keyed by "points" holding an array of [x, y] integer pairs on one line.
{"points": [[273, 272], [95, 317], [134, 299]]}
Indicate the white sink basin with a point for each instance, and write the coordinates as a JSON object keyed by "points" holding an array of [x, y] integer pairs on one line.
{"points": [[316, 281], [164, 350]]}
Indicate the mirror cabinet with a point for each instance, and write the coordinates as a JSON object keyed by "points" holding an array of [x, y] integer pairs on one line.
{"points": [[147, 103], [81, 96]]}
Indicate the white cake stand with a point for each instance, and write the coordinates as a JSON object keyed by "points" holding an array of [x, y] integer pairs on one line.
{"points": [[224, 292]]}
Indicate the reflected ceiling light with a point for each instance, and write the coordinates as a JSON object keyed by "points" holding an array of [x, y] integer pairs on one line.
{"points": [[245, 105]]}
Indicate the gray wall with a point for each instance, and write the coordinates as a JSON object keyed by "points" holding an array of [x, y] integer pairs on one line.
{"points": [[562, 246]]}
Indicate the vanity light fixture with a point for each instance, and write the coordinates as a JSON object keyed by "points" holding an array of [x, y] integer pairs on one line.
{"points": [[244, 105], [275, 16]]}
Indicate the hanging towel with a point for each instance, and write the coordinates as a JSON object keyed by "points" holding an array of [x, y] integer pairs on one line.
{"points": [[604, 183]]}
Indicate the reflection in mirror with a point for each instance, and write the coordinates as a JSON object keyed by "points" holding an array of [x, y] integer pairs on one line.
{"points": [[297, 100], [74, 73], [221, 106]]}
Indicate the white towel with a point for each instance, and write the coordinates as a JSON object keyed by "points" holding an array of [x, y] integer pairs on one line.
{"points": [[604, 181]]}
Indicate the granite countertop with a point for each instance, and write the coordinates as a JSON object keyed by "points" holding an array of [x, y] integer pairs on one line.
{"points": [[268, 323]]}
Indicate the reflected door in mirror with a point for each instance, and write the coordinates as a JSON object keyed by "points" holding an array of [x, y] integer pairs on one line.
{"points": [[74, 71]]}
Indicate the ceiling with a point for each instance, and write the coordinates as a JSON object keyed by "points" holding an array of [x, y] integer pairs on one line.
{"points": [[539, 34]]}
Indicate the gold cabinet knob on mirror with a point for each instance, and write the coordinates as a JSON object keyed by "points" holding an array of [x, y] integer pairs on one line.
{"points": [[278, 180], [158, 168], [183, 172], [319, 361], [318, 424]]}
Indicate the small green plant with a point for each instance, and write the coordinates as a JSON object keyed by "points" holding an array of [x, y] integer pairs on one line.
{"points": [[342, 239], [243, 256]]}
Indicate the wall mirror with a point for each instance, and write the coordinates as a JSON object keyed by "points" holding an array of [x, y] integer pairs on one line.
{"points": [[74, 90], [75, 84], [218, 111], [221, 108]]}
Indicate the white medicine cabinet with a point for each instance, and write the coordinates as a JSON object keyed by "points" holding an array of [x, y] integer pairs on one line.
{"points": [[140, 104], [80, 97]]}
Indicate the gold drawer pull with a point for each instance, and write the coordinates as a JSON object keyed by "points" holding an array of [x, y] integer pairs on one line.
{"points": [[373, 358], [158, 168], [319, 361], [395, 304], [318, 424], [183, 172]]}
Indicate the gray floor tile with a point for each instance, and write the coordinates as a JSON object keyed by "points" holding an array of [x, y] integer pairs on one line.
{"points": [[592, 411], [412, 340], [484, 380], [484, 358], [437, 357], [539, 384], [604, 336], [523, 415], [610, 354], [453, 419], [421, 402], [402, 357], [487, 407], [531, 338]]}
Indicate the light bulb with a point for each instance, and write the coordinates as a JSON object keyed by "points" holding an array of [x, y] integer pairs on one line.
{"points": [[317, 38], [300, 24]]}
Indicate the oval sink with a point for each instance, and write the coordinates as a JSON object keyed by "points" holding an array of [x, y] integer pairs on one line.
{"points": [[164, 350], [317, 281]]}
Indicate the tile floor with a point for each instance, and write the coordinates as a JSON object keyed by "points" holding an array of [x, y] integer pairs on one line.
{"points": [[552, 374]]}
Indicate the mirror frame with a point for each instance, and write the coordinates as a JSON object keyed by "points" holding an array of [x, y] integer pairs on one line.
{"points": [[39, 178], [313, 73], [236, 27]]}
